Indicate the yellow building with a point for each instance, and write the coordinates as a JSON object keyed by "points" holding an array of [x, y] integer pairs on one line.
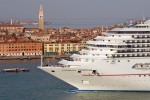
{"points": [[62, 48]]}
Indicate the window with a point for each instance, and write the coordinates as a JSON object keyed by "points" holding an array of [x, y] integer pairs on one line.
{"points": [[94, 72], [86, 60], [79, 71]]}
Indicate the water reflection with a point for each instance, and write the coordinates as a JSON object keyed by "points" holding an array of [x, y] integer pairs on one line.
{"points": [[109, 96]]}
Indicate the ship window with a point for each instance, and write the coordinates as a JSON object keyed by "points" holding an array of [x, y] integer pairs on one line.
{"points": [[79, 71], [128, 60], [53, 71], [118, 60], [86, 60], [94, 71]]}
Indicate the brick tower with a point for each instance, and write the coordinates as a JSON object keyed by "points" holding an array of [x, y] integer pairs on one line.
{"points": [[41, 18]]}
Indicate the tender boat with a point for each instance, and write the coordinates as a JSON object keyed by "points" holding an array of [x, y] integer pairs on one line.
{"points": [[15, 70]]}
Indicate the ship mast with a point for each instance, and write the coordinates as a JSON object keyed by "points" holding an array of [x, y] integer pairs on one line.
{"points": [[42, 60]]}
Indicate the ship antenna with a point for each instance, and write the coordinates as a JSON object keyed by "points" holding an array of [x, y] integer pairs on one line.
{"points": [[102, 29], [143, 17], [106, 29]]}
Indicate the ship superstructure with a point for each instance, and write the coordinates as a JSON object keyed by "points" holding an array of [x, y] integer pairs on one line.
{"points": [[118, 60]]}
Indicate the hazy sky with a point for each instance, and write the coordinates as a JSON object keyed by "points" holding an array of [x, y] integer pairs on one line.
{"points": [[75, 9]]}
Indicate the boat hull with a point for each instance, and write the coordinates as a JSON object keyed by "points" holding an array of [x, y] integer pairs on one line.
{"points": [[93, 82]]}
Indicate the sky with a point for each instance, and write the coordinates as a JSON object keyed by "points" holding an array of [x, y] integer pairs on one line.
{"points": [[75, 9]]}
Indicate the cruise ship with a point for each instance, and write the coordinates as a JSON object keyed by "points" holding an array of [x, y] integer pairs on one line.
{"points": [[119, 60]]}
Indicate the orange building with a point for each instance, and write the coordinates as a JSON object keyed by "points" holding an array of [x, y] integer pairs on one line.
{"points": [[12, 28], [20, 49]]}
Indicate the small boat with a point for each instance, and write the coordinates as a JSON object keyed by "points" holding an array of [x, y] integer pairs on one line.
{"points": [[15, 70]]}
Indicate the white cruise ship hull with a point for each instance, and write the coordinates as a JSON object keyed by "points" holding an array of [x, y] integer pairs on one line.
{"points": [[107, 78]]}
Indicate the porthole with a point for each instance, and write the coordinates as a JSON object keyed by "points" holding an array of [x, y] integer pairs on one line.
{"points": [[52, 71], [79, 71]]}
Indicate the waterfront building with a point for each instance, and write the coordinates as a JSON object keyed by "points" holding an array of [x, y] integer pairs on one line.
{"points": [[41, 18], [11, 28], [40, 36], [31, 30], [62, 48], [20, 49]]}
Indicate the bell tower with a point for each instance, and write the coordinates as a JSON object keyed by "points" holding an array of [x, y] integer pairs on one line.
{"points": [[41, 18]]}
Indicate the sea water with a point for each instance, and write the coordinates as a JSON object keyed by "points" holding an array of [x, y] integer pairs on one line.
{"points": [[38, 85]]}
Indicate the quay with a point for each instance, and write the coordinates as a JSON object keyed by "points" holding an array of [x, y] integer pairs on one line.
{"points": [[33, 57]]}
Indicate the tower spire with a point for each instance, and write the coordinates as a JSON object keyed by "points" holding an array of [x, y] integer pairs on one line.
{"points": [[41, 18], [41, 8]]}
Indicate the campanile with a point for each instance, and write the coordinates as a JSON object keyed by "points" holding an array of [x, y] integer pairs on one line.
{"points": [[41, 18]]}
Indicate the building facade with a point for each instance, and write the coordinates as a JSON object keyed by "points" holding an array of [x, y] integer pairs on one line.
{"points": [[12, 28], [31, 30], [41, 18], [62, 48], [41, 37], [20, 49]]}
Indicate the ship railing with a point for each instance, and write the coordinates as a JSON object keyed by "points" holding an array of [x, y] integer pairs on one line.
{"points": [[58, 65], [66, 66], [54, 65], [141, 66]]}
